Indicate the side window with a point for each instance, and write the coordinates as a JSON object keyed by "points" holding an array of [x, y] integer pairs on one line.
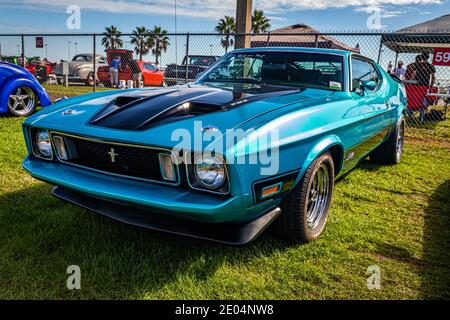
{"points": [[363, 71], [79, 58], [149, 67]]}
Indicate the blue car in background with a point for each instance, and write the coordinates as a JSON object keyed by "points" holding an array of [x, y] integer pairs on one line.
{"points": [[275, 128], [20, 92]]}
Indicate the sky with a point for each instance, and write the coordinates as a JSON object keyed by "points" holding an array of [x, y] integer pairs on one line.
{"points": [[50, 16]]}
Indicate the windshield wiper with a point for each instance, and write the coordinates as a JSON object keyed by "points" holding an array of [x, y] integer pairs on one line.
{"points": [[282, 84]]}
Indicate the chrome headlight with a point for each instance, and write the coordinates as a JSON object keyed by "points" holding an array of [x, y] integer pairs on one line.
{"points": [[43, 144], [210, 172]]}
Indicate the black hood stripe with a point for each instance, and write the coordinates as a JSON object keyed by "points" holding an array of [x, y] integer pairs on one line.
{"points": [[138, 111]]}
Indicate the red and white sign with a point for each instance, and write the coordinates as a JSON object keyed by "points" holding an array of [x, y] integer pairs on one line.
{"points": [[39, 42], [441, 57]]}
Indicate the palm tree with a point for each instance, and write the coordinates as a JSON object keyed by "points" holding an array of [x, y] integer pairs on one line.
{"points": [[226, 26], [158, 41], [260, 23], [140, 40], [111, 39]]}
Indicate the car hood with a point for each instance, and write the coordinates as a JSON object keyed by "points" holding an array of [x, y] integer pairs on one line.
{"points": [[72, 66], [151, 116]]}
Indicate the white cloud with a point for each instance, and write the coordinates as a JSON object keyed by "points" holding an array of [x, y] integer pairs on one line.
{"points": [[208, 9]]}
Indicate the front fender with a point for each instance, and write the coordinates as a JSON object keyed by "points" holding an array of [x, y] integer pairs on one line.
{"points": [[11, 84], [324, 144], [84, 71]]}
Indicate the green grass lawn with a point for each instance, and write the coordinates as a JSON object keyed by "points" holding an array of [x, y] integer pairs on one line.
{"points": [[59, 91], [395, 217]]}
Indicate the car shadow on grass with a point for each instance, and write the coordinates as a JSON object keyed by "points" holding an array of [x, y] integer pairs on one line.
{"points": [[436, 278], [433, 265], [42, 236]]}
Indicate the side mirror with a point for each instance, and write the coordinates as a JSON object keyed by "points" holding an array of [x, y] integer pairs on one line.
{"points": [[369, 85]]}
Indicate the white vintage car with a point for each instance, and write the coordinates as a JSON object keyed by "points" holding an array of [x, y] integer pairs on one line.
{"points": [[81, 68]]}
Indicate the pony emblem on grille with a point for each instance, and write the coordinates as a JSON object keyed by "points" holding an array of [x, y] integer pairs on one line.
{"points": [[112, 154]]}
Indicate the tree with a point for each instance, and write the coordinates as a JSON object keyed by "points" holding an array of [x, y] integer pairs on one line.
{"points": [[260, 23], [141, 41], [226, 26], [111, 39], [158, 41]]}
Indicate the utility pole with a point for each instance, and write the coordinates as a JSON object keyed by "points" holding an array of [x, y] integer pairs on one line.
{"points": [[68, 50], [23, 52], [243, 23]]}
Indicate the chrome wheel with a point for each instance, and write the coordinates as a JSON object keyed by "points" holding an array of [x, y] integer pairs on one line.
{"points": [[319, 195], [22, 101], [400, 141]]}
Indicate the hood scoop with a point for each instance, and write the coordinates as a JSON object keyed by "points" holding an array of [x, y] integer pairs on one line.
{"points": [[140, 111]]}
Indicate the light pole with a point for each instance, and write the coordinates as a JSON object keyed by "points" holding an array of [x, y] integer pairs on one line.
{"points": [[46, 52], [211, 49], [68, 50], [76, 47]]}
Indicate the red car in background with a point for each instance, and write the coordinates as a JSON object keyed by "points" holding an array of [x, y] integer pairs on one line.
{"points": [[151, 76], [40, 69]]}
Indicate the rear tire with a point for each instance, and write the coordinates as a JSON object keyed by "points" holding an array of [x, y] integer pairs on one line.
{"points": [[304, 212], [391, 150]]}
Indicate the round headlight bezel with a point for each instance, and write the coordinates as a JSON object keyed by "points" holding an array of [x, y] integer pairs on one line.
{"points": [[43, 144], [202, 164]]}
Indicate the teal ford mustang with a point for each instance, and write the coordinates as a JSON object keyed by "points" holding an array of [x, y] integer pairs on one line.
{"points": [[258, 139]]}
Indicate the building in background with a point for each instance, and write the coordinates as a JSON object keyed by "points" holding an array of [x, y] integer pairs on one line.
{"points": [[299, 35]]}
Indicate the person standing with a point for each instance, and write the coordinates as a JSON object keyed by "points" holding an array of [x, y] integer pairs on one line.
{"points": [[389, 67], [411, 69], [400, 71], [425, 76], [136, 74], [114, 67]]}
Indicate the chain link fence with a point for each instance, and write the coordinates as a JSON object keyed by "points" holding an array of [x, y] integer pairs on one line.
{"points": [[73, 64]]}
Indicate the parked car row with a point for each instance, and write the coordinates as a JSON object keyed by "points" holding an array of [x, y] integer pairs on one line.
{"points": [[83, 68]]}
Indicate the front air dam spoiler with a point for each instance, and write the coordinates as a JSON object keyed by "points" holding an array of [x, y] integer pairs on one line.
{"points": [[227, 233]]}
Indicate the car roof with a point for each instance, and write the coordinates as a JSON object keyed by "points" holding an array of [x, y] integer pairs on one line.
{"points": [[88, 54], [296, 49]]}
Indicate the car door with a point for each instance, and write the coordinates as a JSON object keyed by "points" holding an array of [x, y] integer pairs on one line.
{"points": [[373, 108], [151, 75]]}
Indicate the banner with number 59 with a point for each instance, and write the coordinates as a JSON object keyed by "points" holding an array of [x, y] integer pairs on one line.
{"points": [[441, 57]]}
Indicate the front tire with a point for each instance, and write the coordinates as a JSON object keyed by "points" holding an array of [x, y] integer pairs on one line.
{"points": [[304, 212], [90, 79], [391, 150], [22, 101]]}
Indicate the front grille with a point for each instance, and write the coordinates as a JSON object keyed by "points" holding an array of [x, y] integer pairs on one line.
{"points": [[115, 158]]}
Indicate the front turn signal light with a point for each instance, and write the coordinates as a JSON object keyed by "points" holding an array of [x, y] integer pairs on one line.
{"points": [[167, 167]]}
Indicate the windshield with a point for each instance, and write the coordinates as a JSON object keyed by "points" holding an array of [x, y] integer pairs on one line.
{"points": [[297, 69], [201, 61]]}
